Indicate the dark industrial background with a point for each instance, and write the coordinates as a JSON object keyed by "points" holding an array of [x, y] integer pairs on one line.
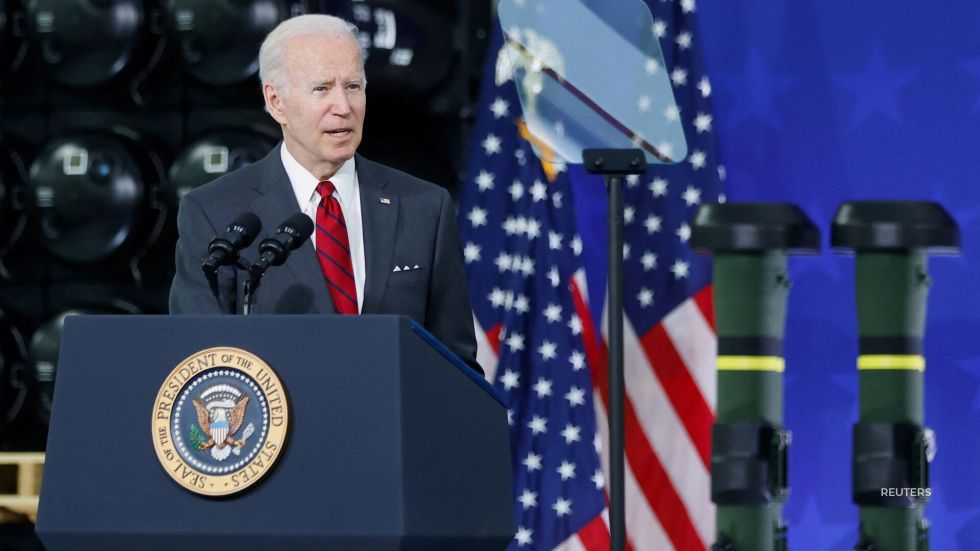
{"points": [[110, 110]]}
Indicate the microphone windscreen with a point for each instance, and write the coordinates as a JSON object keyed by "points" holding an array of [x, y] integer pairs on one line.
{"points": [[299, 226], [248, 225]]}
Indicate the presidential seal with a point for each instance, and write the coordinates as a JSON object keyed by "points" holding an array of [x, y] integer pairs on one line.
{"points": [[219, 421]]}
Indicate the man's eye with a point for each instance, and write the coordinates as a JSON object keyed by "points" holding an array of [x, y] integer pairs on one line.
{"points": [[354, 87]]}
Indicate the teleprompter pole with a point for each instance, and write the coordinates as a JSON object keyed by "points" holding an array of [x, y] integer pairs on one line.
{"points": [[750, 243], [891, 446], [614, 164]]}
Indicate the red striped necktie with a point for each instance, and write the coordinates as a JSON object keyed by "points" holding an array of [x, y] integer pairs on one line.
{"points": [[333, 250]]}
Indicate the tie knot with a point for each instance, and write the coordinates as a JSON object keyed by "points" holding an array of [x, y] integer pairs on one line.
{"points": [[325, 189]]}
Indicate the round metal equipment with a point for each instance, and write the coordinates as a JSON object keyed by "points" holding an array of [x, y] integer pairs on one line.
{"points": [[13, 386], [220, 39], [13, 213], [46, 345], [89, 192], [214, 155], [87, 42]]}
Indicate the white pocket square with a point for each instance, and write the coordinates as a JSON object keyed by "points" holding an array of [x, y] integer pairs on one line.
{"points": [[405, 268]]}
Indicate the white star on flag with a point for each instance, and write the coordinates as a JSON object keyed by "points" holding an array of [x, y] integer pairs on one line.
{"points": [[649, 261], [702, 122], [652, 224], [553, 313], [484, 180], [538, 191], [562, 507], [477, 217], [532, 462], [471, 252], [554, 240], [499, 107], [684, 232], [538, 425], [528, 499], [548, 351], [678, 76], [680, 269], [571, 434], [510, 379], [523, 536], [566, 470], [697, 159], [575, 396], [645, 296], [691, 196], [491, 144], [658, 187]]}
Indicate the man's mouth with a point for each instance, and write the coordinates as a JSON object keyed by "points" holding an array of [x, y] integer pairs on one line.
{"points": [[342, 133]]}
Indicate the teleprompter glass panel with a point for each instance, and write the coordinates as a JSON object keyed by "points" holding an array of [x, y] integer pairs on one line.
{"points": [[590, 75]]}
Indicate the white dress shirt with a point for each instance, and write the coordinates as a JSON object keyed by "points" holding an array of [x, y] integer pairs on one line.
{"points": [[348, 193]]}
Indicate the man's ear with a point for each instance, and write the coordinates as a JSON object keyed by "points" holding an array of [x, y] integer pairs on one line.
{"points": [[273, 102]]}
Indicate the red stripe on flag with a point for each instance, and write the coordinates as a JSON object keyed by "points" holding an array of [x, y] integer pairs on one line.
{"points": [[681, 388], [493, 337], [650, 474], [595, 535], [705, 299]]}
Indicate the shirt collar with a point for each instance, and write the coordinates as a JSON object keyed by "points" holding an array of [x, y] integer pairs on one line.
{"points": [[304, 183]]}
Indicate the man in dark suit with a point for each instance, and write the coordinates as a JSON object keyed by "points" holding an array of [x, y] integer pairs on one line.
{"points": [[385, 242]]}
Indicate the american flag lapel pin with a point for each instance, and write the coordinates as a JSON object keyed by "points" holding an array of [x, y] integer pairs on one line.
{"points": [[385, 201]]}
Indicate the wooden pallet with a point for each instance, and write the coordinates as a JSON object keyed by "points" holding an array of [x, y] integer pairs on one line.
{"points": [[20, 485]]}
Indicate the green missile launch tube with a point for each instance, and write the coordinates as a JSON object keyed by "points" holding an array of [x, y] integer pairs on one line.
{"points": [[751, 243], [891, 446]]}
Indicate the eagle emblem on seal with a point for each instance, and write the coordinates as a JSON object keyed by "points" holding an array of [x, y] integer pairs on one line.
{"points": [[220, 413]]}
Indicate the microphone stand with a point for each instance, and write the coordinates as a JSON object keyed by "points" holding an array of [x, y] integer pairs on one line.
{"points": [[250, 286]]}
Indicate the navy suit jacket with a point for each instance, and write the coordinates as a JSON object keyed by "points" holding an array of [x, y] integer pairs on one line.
{"points": [[414, 225]]}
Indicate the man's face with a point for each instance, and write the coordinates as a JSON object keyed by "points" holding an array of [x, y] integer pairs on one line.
{"points": [[322, 108]]}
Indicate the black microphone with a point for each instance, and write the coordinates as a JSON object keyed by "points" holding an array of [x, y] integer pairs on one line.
{"points": [[289, 236], [224, 249]]}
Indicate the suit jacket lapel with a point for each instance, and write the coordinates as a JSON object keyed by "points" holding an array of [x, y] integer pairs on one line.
{"points": [[274, 201], [379, 220]]}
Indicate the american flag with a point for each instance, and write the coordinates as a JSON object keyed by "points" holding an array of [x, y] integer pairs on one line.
{"points": [[539, 344]]}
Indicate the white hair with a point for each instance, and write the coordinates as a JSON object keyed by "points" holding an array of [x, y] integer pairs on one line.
{"points": [[272, 53]]}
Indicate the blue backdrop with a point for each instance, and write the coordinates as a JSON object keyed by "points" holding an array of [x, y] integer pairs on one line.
{"points": [[816, 103]]}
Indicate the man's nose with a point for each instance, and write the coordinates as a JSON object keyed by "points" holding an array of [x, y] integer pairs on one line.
{"points": [[340, 104]]}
